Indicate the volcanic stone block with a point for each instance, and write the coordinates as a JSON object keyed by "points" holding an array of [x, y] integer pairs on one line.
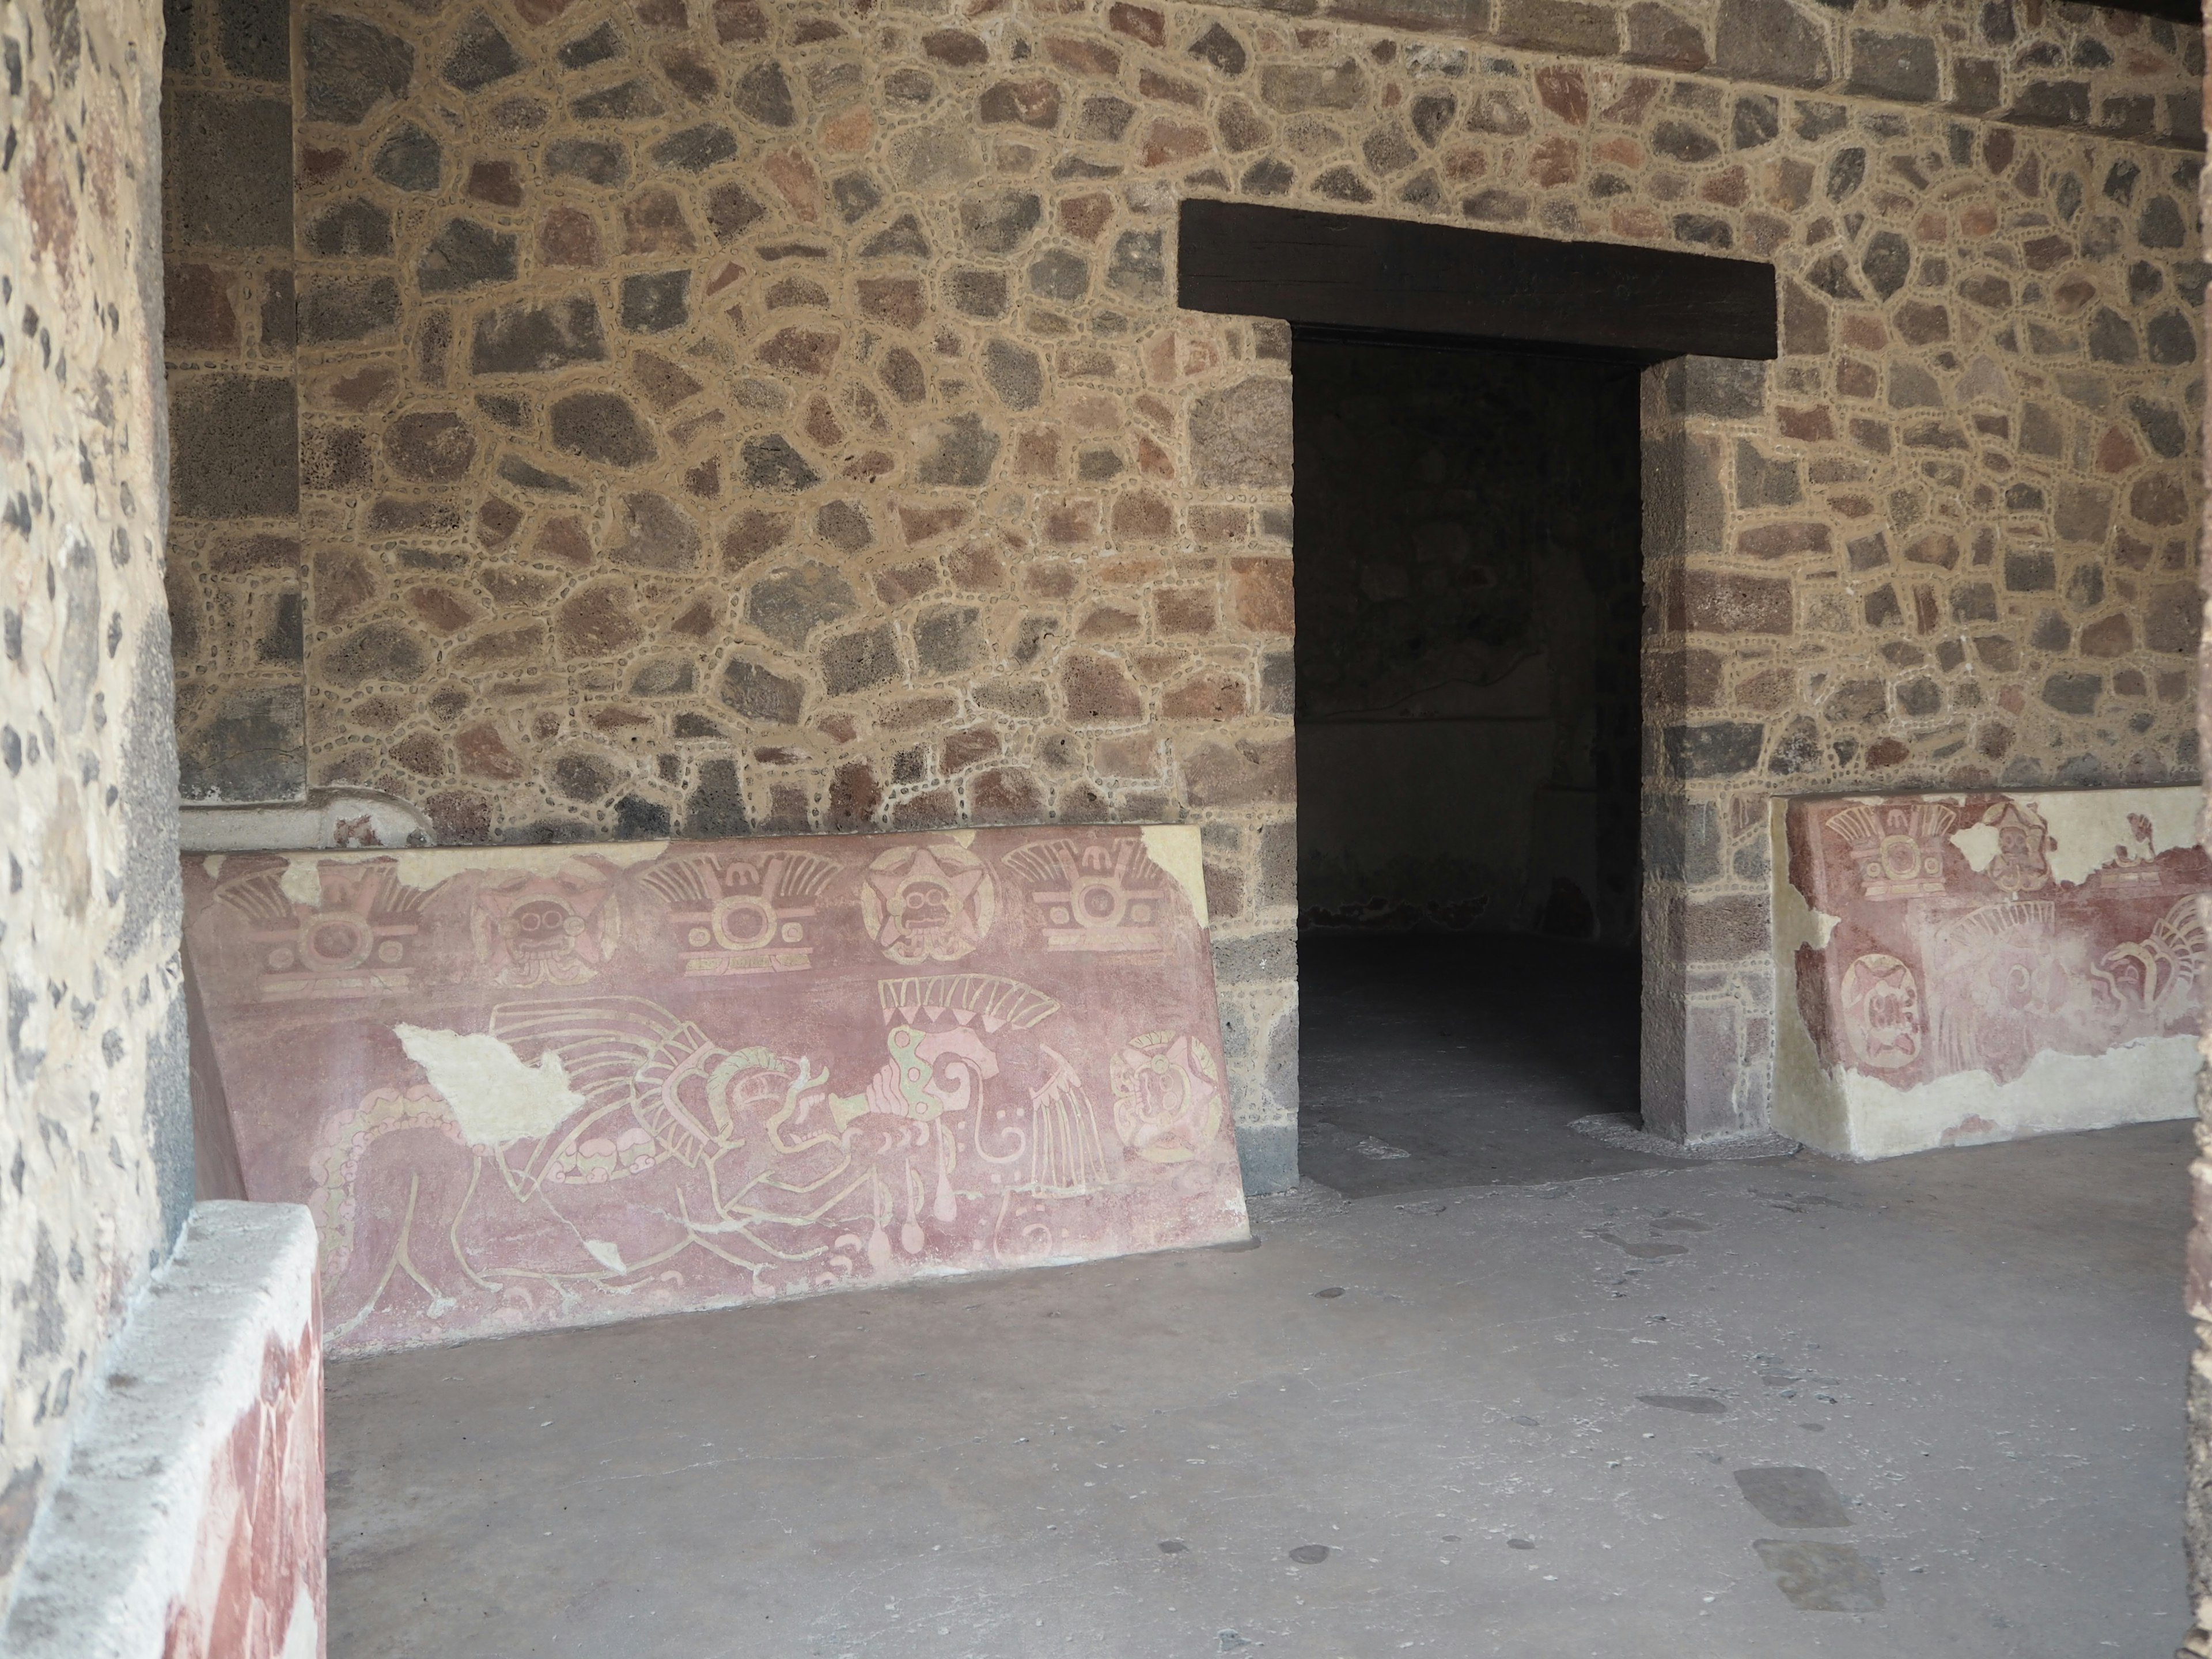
{"points": [[352, 66], [465, 255], [533, 339], [232, 170], [1240, 436], [410, 159], [235, 445], [481, 55], [601, 426], [1770, 41], [790, 603]]}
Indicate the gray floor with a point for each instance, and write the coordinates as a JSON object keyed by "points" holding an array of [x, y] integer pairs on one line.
{"points": [[1492, 1419], [1442, 1059]]}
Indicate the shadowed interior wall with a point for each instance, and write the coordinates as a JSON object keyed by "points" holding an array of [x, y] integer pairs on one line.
{"points": [[1469, 610], [96, 1137], [228, 334], [749, 416]]}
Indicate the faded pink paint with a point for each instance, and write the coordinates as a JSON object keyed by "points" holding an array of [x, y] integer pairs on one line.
{"points": [[257, 1563], [1935, 969], [796, 1066]]}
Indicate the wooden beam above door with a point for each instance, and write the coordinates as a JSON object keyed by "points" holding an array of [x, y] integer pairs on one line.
{"points": [[1347, 271]]}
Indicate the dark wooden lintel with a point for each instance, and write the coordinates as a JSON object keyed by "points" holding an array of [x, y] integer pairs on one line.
{"points": [[1346, 271]]}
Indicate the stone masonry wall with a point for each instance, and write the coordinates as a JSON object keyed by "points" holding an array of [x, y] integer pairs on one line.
{"points": [[724, 415], [233, 586], [95, 1147]]}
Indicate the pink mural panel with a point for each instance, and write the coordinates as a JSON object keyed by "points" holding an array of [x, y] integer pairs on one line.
{"points": [[1966, 942], [531, 1087], [257, 1589]]}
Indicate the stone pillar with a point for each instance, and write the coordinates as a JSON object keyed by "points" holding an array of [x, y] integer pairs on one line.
{"points": [[1236, 755], [234, 574], [1708, 1046], [2196, 1515]]}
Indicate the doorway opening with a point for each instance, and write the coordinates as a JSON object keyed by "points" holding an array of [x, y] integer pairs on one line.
{"points": [[1469, 528], [1471, 419]]}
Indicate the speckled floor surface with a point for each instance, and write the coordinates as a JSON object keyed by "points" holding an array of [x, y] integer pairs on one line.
{"points": [[1492, 1419]]}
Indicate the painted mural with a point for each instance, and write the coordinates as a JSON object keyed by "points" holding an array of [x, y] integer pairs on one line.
{"points": [[1975, 942], [256, 1588], [540, 1086]]}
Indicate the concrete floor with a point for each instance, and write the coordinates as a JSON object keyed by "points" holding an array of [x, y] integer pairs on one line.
{"points": [[1491, 1420], [1442, 1059]]}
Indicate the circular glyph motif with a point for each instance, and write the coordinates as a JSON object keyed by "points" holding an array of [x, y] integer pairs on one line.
{"points": [[1881, 1012]]}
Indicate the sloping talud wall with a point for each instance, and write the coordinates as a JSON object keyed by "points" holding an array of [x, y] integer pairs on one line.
{"points": [[534, 1087], [1975, 967]]}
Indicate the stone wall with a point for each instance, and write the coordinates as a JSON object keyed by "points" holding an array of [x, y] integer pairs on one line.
{"points": [[234, 578], [95, 1150], [738, 417], [1470, 608]]}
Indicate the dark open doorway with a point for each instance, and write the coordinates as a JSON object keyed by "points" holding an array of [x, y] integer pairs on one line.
{"points": [[1469, 596], [1470, 575]]}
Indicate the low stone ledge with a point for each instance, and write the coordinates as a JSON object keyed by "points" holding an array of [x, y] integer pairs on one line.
{"points": [[189, 1517]]}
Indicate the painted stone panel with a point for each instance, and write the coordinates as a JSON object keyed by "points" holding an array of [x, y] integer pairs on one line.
{"points": [[1953, 961], [527, 1087], [256, 1588]]}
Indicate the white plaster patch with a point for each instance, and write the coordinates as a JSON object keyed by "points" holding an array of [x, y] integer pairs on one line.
{"points": [[2151, 1081], [2087, 824], [495, 1097], [608, 1256], [1174, 847], [303, 1636], [1978, 845]]}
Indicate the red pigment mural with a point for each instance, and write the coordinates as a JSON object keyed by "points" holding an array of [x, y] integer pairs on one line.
{"points": [[1960, 945], [256, 1588], [541, 1087]]}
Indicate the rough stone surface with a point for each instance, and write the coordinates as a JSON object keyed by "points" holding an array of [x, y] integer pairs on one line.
{"points": [[96, 1124], [934, 280]]}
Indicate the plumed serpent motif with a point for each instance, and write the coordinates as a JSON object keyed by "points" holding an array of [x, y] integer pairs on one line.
{"points": [[746, 1155]]}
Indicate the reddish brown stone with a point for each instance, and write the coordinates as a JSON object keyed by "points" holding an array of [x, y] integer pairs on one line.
{"points": [[197, 313], [1207, 697], [922, 524], [1260, 595], [1782, 541], [1721, 602], [496, 182], [894, 300], [596, 622], [1242, 774], [1184, 609], [433, 446], [800, 350], [364, 388], [566, 236], [1030, 103], [1084, 216], [441, 608], [751, 534], [1080, 57], [563, 538], [1004, 795], [484, 754], [1099, 690], [2161, 499], [1139, 23]]}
